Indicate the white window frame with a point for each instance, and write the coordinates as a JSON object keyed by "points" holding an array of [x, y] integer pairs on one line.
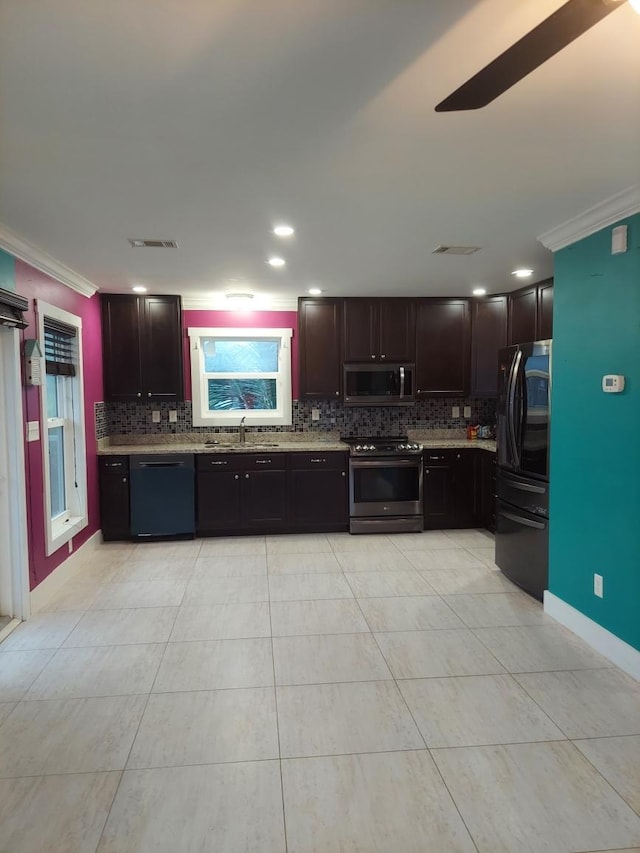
{"points": [[281, 416], [64, 527]]}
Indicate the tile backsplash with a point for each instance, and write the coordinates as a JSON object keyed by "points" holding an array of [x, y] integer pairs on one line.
{"points": [[135, 418]]}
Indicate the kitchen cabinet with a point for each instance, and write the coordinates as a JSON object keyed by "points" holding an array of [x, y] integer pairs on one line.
{"points": [[545, 310], [319, 328], [240, 492], [318, 492], [450, 488], [523, 316], [487, 490], [379, 330], [488, 336], [443, 332], [113, 478], [142, 348]]}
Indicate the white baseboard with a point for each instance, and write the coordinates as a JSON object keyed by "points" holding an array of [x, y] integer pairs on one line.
{"points": [[71, 568], [603, 641], [9, 628]]}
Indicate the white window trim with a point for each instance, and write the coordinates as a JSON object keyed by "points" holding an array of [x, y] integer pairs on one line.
{"points": [[60, 530], [199, 396]]}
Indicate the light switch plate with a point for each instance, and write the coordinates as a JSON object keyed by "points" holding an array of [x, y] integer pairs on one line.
{"points": [[155, 417], [455, 411], [33, 430], [315, 414], [467, 411], [173, 416]]}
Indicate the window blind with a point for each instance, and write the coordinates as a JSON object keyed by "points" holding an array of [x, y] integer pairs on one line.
{"points": [[59, 348]]}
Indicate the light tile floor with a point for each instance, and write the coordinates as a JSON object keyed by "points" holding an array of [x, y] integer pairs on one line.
{"points": [[311, 694]]}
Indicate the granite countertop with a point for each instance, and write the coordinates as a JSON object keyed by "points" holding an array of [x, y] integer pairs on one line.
{"points": [[262, 443]]}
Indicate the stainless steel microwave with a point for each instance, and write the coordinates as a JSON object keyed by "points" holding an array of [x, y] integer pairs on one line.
{"points": [[379, 384]]}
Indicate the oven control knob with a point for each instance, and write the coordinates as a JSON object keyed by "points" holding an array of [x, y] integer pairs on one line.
{"points": [[369, 447], [358, 447], [402, 447]]}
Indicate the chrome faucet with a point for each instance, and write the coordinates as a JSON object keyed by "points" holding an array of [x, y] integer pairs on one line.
{"points": [[242, 431]]}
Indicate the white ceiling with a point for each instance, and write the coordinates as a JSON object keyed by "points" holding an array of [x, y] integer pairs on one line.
{"points": [[209, 121]]}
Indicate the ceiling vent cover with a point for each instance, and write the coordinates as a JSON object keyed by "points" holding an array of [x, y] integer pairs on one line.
{"points": [[153, 244], [455, 250]]}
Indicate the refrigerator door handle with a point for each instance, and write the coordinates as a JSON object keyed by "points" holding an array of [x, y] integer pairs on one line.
{"points": [[511, 408], [527, 487], [520, 520]]}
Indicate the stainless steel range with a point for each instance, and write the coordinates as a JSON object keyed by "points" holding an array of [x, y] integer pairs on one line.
{"points": [[385, 485]]}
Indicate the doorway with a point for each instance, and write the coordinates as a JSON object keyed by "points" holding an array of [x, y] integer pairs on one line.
{"points": [[14, 575]]}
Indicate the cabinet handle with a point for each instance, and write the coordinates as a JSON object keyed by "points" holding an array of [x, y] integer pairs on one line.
{"points": [[113, 464], [124, 479], [418, 391], [337, 393], [317, 460], [139, 394], [344, 473], [436, 457], [426, 470], [263, 462], [218, 462], [148, 393], [373, 356], [246, 476], [237, 477], [383, 356]]}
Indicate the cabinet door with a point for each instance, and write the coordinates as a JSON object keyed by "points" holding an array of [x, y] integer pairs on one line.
{"points": [[488, 336], [318, 499], [545, 311], [397, 330], [360, 330], [161, 341], [218, 505], [114, 498], [121, 348], [437, 491], [264, 498], [465, 488], [488, 490], [442, 347], [320, 351], [523, 316]]}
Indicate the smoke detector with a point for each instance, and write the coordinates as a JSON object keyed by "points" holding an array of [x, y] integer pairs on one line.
{"points": [[152, 244], [455, 250]]}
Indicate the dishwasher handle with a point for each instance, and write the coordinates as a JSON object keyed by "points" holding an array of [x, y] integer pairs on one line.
{"points": [[161, 464]]}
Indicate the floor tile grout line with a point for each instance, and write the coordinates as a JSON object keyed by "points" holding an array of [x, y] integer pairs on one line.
{"points": [[602, 776], [275, 699]]}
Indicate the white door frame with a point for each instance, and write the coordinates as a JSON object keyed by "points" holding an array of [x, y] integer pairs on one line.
{"points": [[14, 562]]}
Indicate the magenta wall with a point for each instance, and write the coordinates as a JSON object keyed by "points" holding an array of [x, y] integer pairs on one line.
{"points": [[33, 284], [241, 320]]}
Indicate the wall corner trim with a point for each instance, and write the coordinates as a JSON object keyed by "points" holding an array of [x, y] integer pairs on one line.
{"points": [[611, 210], [71, 568], [603, 641], [43, 261]]}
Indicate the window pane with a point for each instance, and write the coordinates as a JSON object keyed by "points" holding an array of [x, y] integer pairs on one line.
{"points": [[240, 394], [52, 396], [56, 471], [229, 356]]}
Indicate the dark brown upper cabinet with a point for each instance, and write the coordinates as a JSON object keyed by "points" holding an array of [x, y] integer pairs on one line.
{"points": [[319, 327], [142, 348], [523, 315], [379, 330], [545, 310], [488, 336], [443, 333]]}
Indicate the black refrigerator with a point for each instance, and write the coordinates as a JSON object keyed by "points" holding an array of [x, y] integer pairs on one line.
{"points": [[522, 433]]}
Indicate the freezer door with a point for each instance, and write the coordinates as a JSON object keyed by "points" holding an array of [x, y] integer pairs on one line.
{"points": [[527, 493], [522, 545]]}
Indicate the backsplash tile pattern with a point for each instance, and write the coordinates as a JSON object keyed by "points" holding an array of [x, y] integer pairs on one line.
{"points": [[135, 418]]}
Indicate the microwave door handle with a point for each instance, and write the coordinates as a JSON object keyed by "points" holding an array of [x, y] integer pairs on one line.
{"points": [[401, 382]]}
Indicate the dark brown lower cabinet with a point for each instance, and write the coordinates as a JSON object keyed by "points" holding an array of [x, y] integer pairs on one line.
{"points": [[318, 491], [113, 473], [454, 486], [438, 491], [488, 490]]}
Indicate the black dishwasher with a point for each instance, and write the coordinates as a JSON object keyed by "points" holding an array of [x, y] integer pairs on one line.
{"points": [[162, 495]]}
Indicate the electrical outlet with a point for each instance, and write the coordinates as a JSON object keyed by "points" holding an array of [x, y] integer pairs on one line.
{"points": [[598, 586], [173, 416], [155, 417], [467, 411], [315, 414], [455, 411], [70, 543]]}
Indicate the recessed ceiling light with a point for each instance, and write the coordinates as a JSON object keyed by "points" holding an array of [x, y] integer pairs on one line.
{"points": [[283, 230], [239, 300], [479, 291], [524, 273], [635, 4], [276, 262], [315, 291], [138, 288]]}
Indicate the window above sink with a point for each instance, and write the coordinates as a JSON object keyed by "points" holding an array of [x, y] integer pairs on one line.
{"points": [[240, 373]]}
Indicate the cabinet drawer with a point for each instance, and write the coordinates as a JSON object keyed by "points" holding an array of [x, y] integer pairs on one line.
{"points": [[264, 462], [436, 457], [115, 464], [218, 462], [334, 459]]}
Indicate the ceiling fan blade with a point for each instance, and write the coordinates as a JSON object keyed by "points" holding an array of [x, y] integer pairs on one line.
{"points": [[549, 37]]}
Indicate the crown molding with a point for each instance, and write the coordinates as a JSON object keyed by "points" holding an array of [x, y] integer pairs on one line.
{"points": [[208, 303], [607, 212], [43, 261]]}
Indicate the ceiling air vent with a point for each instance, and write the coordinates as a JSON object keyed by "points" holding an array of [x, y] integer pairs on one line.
{"points": [[153, 244], [455, 250]]}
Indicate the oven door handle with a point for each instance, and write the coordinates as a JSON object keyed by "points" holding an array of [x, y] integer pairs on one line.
{"points": [[386, 462]]}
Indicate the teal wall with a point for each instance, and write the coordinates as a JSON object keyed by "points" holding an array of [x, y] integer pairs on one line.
{"points": [[595, 437], [7, 271]]}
